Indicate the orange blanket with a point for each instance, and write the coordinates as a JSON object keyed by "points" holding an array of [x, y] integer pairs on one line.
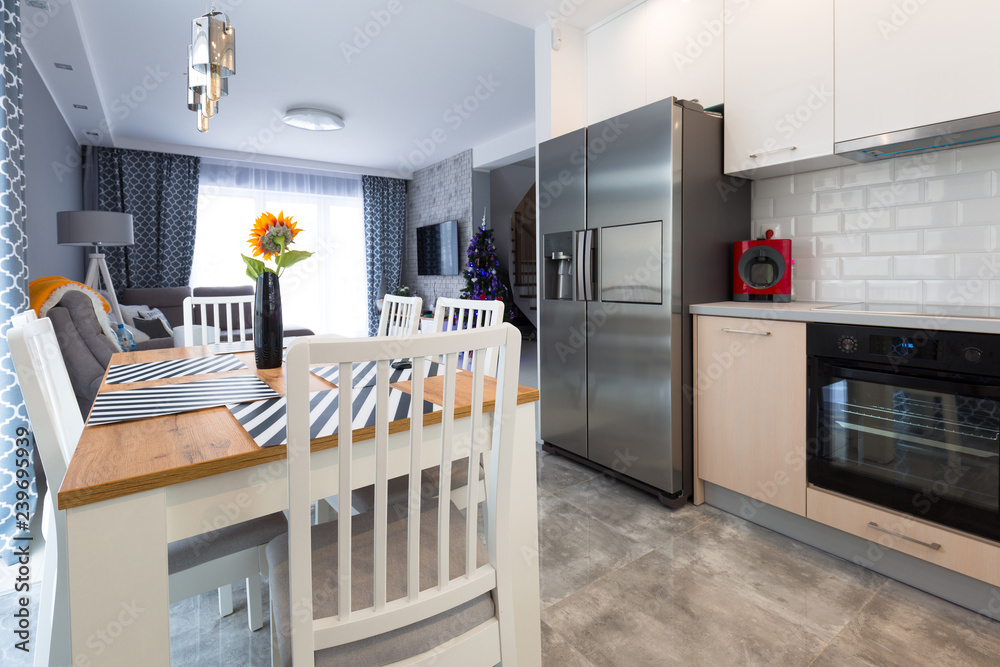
{"points": [[42, 290]]}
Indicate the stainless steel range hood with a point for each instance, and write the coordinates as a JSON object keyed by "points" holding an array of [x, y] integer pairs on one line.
{"points": [[953, 134]]}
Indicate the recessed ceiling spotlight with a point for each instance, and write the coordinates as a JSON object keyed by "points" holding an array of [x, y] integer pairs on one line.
{"points": [[64, 66], [91, 133], [80, 106], [317, 120], [38, 4]]}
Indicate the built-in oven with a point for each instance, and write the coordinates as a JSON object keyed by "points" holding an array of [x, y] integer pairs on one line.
{"points": [[908, 419]]}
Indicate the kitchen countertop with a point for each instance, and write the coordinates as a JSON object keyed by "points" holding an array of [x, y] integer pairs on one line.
{"points": [[806, 311]]}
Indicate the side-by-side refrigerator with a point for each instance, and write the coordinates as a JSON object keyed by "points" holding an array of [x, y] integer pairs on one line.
{"points": [[636, 223]]}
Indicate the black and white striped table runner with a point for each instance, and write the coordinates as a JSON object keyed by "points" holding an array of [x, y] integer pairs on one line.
{"points": [[364, 373], [265, 420], [159, 370], [172, 399]]}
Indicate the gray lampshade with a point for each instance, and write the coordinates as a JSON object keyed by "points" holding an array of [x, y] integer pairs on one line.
{"points": [[85, 228]]}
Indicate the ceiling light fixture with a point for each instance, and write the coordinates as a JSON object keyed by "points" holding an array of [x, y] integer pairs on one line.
{"points": [[80, 106], [317, 120], [211, 60], [38, 4], [63, 66]]}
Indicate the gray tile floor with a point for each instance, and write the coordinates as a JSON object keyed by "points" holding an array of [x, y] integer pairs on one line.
{"points": [[625, 581]]}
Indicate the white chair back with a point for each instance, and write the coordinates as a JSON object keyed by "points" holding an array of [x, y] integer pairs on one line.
{"points": [[57, 425], [400, 315], [228, 315], [458, 314], [487, 436]]}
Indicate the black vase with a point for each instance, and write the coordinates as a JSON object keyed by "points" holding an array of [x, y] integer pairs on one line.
{"points": [[267, 327]]}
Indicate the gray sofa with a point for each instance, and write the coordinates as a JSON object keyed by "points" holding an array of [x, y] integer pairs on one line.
{"points": [[170, 301]]}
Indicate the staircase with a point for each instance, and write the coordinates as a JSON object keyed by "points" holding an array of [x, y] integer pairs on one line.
{"points": [[524, 260]]}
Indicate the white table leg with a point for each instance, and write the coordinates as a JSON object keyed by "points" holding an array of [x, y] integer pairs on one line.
{"points": [[524, 541], [118, 593]]}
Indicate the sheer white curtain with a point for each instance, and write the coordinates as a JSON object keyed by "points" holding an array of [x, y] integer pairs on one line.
{"points": [[326, 292]]}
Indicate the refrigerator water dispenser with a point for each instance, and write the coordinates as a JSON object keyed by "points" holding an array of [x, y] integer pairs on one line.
{"points": [[558, 250]]}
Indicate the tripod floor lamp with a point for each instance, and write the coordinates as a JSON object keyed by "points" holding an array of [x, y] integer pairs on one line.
{"points": [[96, 228]]}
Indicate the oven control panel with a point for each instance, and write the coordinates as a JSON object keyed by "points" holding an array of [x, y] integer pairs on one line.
{"points": [[947, 351]]}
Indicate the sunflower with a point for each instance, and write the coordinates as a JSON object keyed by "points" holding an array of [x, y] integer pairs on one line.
{"points": [[271, 234]]}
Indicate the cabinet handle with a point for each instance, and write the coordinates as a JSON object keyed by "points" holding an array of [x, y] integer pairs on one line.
{"points": [[776, 150], [747, 331], [929, 545]]}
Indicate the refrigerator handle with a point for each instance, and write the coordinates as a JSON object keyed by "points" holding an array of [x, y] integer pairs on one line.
{"points": [[588, 267], [580, 270]]}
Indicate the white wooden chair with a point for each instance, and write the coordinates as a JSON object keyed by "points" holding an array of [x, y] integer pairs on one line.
{"points": [[400, 315], [227, 314], [458, 314], [426, 589], [196, 565]]}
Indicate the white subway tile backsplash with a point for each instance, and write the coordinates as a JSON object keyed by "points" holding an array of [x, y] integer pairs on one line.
{"points": [[813, 181], [782, 227], [866, 267], [839, 245], [958, 239], [924, 228], [840, 290], [868, 220], [925, 165], [813, 268], [942, 214], [762, 208], [795, 205], [978, 158], [982, 265], [841, 200], [813, 225], [957, 292], [961, 186], [894, 194], [866, 173], [924, 266], [803, 247], [895, 243], [894, 291], [773, 187], [979, 212]]}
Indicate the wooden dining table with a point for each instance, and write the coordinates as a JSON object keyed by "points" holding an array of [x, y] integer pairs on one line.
{"points": [[134, 486]]}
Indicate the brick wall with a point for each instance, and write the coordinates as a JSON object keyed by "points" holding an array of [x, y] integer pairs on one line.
{"points": [[438, 193]]}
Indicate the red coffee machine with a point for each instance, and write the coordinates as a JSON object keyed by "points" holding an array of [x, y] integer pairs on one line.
{"points": [[762, 270]]}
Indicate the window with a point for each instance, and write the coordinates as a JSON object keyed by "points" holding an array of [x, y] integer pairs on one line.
{"points": [[327, 292]]}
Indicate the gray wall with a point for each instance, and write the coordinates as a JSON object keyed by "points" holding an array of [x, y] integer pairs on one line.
{"points": [[53, 179], [437, 193]]}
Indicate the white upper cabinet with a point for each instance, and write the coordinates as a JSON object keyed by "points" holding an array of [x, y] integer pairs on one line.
{"points": [[907, 63], [778, 87], [616, 66], [684, 47], [658, 49]]}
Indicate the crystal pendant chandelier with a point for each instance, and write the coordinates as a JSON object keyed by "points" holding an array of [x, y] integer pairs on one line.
{"points": [[211, 60]]}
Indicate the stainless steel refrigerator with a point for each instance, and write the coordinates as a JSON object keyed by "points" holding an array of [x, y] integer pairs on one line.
{"points": [[636, 222]]}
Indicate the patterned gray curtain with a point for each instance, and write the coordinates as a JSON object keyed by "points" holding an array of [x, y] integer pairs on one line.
{"points": [[16, 503], [160, 190], [385, 236]]}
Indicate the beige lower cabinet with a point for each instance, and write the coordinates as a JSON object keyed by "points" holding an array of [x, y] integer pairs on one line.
{"points": [[750, 406], [886, 529]]}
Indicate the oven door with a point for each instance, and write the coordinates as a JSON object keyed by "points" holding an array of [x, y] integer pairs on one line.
{"points": [[925, 444]]}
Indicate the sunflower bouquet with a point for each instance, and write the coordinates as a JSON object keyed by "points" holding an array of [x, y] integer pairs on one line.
{"points": [[270, 237]]}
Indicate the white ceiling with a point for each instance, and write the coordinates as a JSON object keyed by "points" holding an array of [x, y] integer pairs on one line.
{"points": [[397, 95]]}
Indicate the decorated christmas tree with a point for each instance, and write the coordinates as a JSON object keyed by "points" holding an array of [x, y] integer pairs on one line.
{"points": [[483, 277]]}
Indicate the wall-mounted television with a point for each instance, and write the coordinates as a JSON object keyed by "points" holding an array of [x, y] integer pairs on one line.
{"points": [[437, 249]]}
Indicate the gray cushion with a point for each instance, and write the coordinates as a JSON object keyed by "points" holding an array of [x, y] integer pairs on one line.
{"points": [[391, 646], [170, 300], [152, 328], [363, 499], [185, 554]]}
